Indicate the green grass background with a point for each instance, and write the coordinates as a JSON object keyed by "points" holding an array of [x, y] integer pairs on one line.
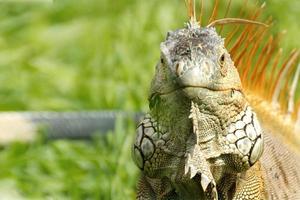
{"points": [[86, 55]]}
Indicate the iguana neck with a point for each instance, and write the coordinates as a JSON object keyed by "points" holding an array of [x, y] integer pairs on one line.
{"points": [[277, 124], [172, 113]]}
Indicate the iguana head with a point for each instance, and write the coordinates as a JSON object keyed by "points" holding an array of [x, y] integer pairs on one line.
{"points": [[195, 63], [196, 57]]}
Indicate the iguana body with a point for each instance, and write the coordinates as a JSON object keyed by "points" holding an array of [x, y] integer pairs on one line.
{"points": [[205, 134]]}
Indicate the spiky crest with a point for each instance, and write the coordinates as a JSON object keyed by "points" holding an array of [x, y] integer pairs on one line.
{"points": [[257, 56]]}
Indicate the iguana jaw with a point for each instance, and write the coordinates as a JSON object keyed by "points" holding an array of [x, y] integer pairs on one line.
{"points": [[198, 92], [198, 88], [214, 88]]}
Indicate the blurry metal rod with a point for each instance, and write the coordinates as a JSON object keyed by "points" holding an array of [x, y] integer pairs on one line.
{"points": [[73, 125]]}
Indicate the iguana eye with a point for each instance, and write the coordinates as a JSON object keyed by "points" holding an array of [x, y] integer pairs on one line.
{"points": [[222, 60]]}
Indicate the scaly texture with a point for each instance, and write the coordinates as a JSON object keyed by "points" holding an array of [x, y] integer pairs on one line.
{"points": [[207, 128]]}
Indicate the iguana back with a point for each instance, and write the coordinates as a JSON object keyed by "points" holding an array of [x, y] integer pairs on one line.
{"points": [[281, 170]]}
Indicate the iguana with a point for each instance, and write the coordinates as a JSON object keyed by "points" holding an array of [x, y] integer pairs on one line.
{"points": [[216, 128]]}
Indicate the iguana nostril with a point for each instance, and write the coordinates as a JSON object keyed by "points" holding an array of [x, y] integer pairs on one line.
{"points": [[179, 68]]}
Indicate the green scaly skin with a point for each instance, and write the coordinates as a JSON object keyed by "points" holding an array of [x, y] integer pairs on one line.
{"points": [[201, 138]]}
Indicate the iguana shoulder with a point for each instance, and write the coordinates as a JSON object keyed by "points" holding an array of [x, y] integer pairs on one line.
{"points": [[280, 162]]}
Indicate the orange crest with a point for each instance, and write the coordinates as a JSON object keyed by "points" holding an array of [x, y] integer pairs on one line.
{"points": [[262, 67]]}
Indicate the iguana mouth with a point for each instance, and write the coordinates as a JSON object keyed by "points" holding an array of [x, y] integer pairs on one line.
{"points": [[212, 89]]}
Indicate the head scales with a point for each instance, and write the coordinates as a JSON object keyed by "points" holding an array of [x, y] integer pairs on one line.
{"points": [[255, 53]]}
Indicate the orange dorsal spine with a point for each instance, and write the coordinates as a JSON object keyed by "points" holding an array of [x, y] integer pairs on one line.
{"points": [[264, 71]]}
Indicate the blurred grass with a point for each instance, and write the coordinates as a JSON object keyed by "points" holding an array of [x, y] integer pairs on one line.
{"points": [[98, 169], [91, 54]]}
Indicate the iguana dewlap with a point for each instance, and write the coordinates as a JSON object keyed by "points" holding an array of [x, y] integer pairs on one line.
{"points": [[205, 136]]}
